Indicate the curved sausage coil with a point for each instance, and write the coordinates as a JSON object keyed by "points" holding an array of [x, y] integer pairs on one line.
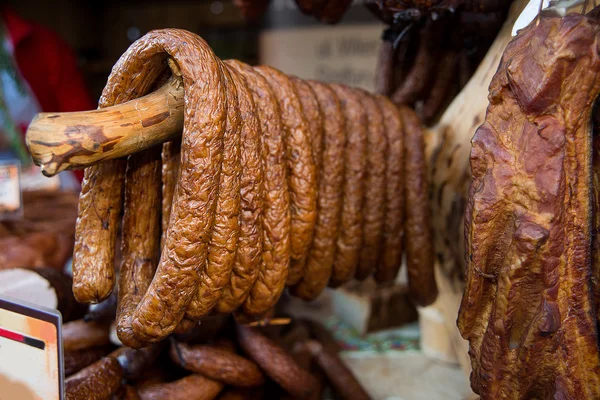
{"points": [[274, 174]]}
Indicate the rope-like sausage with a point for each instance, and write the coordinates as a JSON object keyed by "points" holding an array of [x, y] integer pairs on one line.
{"points": [[322, 251], [264, 189], [76, 360], [350, 236], [314, 117], [302, 178], [418, 240], [79, 334], [100, 200], [218, 364], [194, 387], [272, 273], [224, 240], [141, 237], [170, 170], [374, 201], [99, 381], [391, 258], [250, 242], [276, 363], [96, 231], [185, 249]]}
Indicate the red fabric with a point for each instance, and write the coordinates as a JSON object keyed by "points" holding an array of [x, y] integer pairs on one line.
{"points": [[48, 65]]}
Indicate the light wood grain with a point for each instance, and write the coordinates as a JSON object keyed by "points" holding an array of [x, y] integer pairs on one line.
{"points": [[61, 141]]}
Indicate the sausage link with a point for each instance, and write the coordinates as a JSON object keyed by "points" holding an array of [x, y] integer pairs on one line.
{"points": [[418, 239], [302, 178], [418, 77], [272, 273], [76, 360], [276, 363], [78, 335], [185, 250], [384, 77], [322, 251], [374, 202], [100, 203], [192, 387], [341, 377], [250, 243], [218, 364], [224, 241], [391, 257], [442, 85], [349, 240], [314, 117], [185, 326], [98, 381], [170, 170], [141, 237], [101, 195]]}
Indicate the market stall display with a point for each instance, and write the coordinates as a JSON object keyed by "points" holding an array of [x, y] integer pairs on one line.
{"points": [[233, 184], [253, 180], [297, 360]]}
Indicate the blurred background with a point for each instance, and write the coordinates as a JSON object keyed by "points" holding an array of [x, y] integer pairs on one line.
{"points": [[100, 31]]}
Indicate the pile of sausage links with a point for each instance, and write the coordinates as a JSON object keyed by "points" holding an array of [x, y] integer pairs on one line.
{"points": [[276, 182]]}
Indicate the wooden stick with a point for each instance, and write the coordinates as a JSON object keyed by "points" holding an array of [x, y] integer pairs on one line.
{"points": [[61, 141]]}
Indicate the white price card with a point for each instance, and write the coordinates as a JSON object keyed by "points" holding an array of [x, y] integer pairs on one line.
{"points": [[10, 190], [31, 357]]}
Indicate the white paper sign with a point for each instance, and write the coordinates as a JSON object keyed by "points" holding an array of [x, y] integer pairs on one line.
{"points": [[343, 54]]}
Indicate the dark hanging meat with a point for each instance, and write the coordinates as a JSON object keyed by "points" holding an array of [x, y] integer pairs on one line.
{"points": [[528, 309]]}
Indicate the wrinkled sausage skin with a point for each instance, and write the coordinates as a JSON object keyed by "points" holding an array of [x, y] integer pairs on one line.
{"points": [[322, 250], [301, 167], [276, 220], [191, 387], [418, 236], [314, 118], [217, 363], [141, 236], [349, 240], [223, 243], [391, 258], [275, 362], [374, 201], [249, 255], [96, 231], [185, 249], [170, 170], [101, 195]]}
